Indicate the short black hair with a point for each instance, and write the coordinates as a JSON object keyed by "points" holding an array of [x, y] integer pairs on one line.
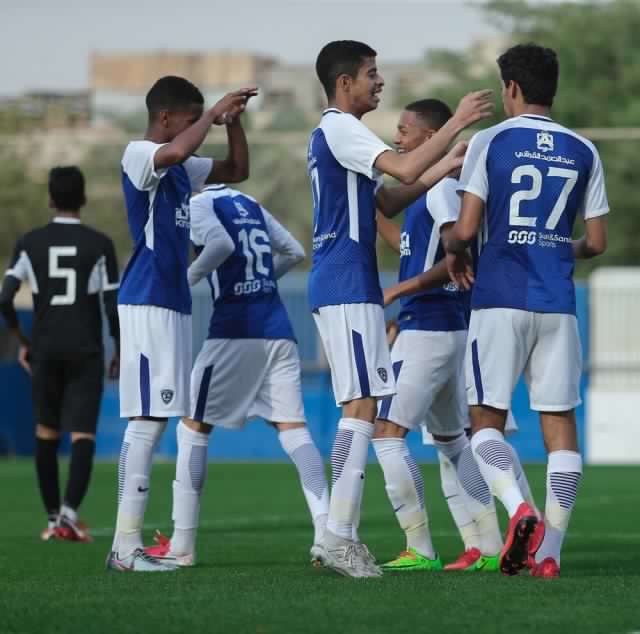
{"points": [[174, 94], [433, 112], [342, 57], [66, 188], [535, 69]]}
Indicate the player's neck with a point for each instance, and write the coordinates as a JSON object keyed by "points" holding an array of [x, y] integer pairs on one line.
{"points": [[66, 213], [157, 135], [341, 102], [526, 108]]}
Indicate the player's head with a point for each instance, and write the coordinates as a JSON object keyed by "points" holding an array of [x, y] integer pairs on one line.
{"points": [[419, 121], [347, 71], [529, 76], [66, 189], [174, 104]]}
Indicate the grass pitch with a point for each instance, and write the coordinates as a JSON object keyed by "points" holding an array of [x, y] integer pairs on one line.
{"points": [[253, 573]]}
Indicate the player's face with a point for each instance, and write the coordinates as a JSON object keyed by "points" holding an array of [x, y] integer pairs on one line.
{"points": [[177, 122], [365, 89], [411, 132]]}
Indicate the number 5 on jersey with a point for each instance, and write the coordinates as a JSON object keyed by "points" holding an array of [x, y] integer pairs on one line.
{"points": [[58, 272]]}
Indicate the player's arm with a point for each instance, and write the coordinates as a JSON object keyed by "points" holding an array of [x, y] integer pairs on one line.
{"points": [[594, 242], [392, 200], [187, 142], [234, 168], [409, 166], [207, 231], [389, 231], [460, 237], [110, 285], [436, 276], [287, 251], [596, 208]]}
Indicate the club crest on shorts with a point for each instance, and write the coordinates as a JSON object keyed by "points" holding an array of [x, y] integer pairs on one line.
{"points": [[166, 396], [382, 373]]}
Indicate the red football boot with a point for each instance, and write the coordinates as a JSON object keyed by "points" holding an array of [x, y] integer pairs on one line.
{"points": [[515, 553], [466, 561], [547, 569]]}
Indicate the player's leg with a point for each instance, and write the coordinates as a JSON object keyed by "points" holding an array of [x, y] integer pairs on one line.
{"points": [[154, 385], [279, 400], [553, 375], [47, 392], [83, 380], [416, 375], [498, 347], [355, 344]]}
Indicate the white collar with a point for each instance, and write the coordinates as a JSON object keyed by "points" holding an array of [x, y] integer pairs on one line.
{"points": [[66, 220]]}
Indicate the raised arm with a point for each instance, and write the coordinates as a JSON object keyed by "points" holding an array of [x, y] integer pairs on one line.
{"points": [[287, 251], [392, 200], [389, 231], [235, 168], [409, 166], [187, 142]]}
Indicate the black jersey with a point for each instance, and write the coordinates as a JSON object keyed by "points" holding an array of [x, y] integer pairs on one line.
{"points": [[67, 265]]}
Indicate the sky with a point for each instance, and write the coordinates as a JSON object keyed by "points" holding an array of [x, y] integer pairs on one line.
{"points": [[45, 45]]}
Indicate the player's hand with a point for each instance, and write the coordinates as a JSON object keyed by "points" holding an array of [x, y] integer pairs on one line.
{"points": [[455, 158], [460, 269], [389, 296], [24, 358], [113, 371], [474, 107], [232, 105], [392, 332]]}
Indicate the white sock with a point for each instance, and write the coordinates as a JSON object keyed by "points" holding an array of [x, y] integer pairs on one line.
{"points": [[405, 488], [523, 482], [348, 463], [134, 469], [564, 472], [304, 454], [475, 494], [69, 513], [457, 503], [191, 474], [495, 460]]}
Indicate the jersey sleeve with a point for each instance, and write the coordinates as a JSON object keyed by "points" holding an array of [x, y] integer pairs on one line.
{"points": [[287, 251], [444, 202], [208, 232], [137, 164], [198, 169], [474, 178], [595, 199], [19, 265], [353, 145]]}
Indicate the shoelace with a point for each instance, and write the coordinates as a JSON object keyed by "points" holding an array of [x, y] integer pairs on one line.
{"points": [[366, 553]]}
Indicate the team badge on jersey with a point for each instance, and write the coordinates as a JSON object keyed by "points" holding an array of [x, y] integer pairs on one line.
{"points": [[167, 396], [382, 373], [241, 210], [545, 141]]}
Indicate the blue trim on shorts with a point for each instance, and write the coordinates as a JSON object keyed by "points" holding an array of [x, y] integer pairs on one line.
{"points": [[476, 371], [385, 404], [361, 364], [145, 386], [202, 393]]}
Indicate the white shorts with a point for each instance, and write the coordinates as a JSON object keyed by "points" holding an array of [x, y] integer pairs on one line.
{"points": [[429, 382], [155, 361], [355, 343], [237, 379], [511, 427], [505, 342]]}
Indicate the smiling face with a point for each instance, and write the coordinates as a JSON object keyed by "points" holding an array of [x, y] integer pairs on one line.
{"points": [[363, 92], [412, 131]]}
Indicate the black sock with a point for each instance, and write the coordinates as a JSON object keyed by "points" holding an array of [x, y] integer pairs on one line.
{"points": [[47, 471], [82, 451]]}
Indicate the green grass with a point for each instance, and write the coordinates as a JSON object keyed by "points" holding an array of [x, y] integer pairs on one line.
{"points": [[253, 574]]}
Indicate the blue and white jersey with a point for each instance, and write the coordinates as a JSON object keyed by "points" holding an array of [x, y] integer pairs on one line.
{"points": [[341, 157], [535, 176], [246, 302], [157, 204], [438, 309]]}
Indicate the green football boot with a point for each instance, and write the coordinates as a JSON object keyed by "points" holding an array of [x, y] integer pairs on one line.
{"points": [[410, 559]]}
